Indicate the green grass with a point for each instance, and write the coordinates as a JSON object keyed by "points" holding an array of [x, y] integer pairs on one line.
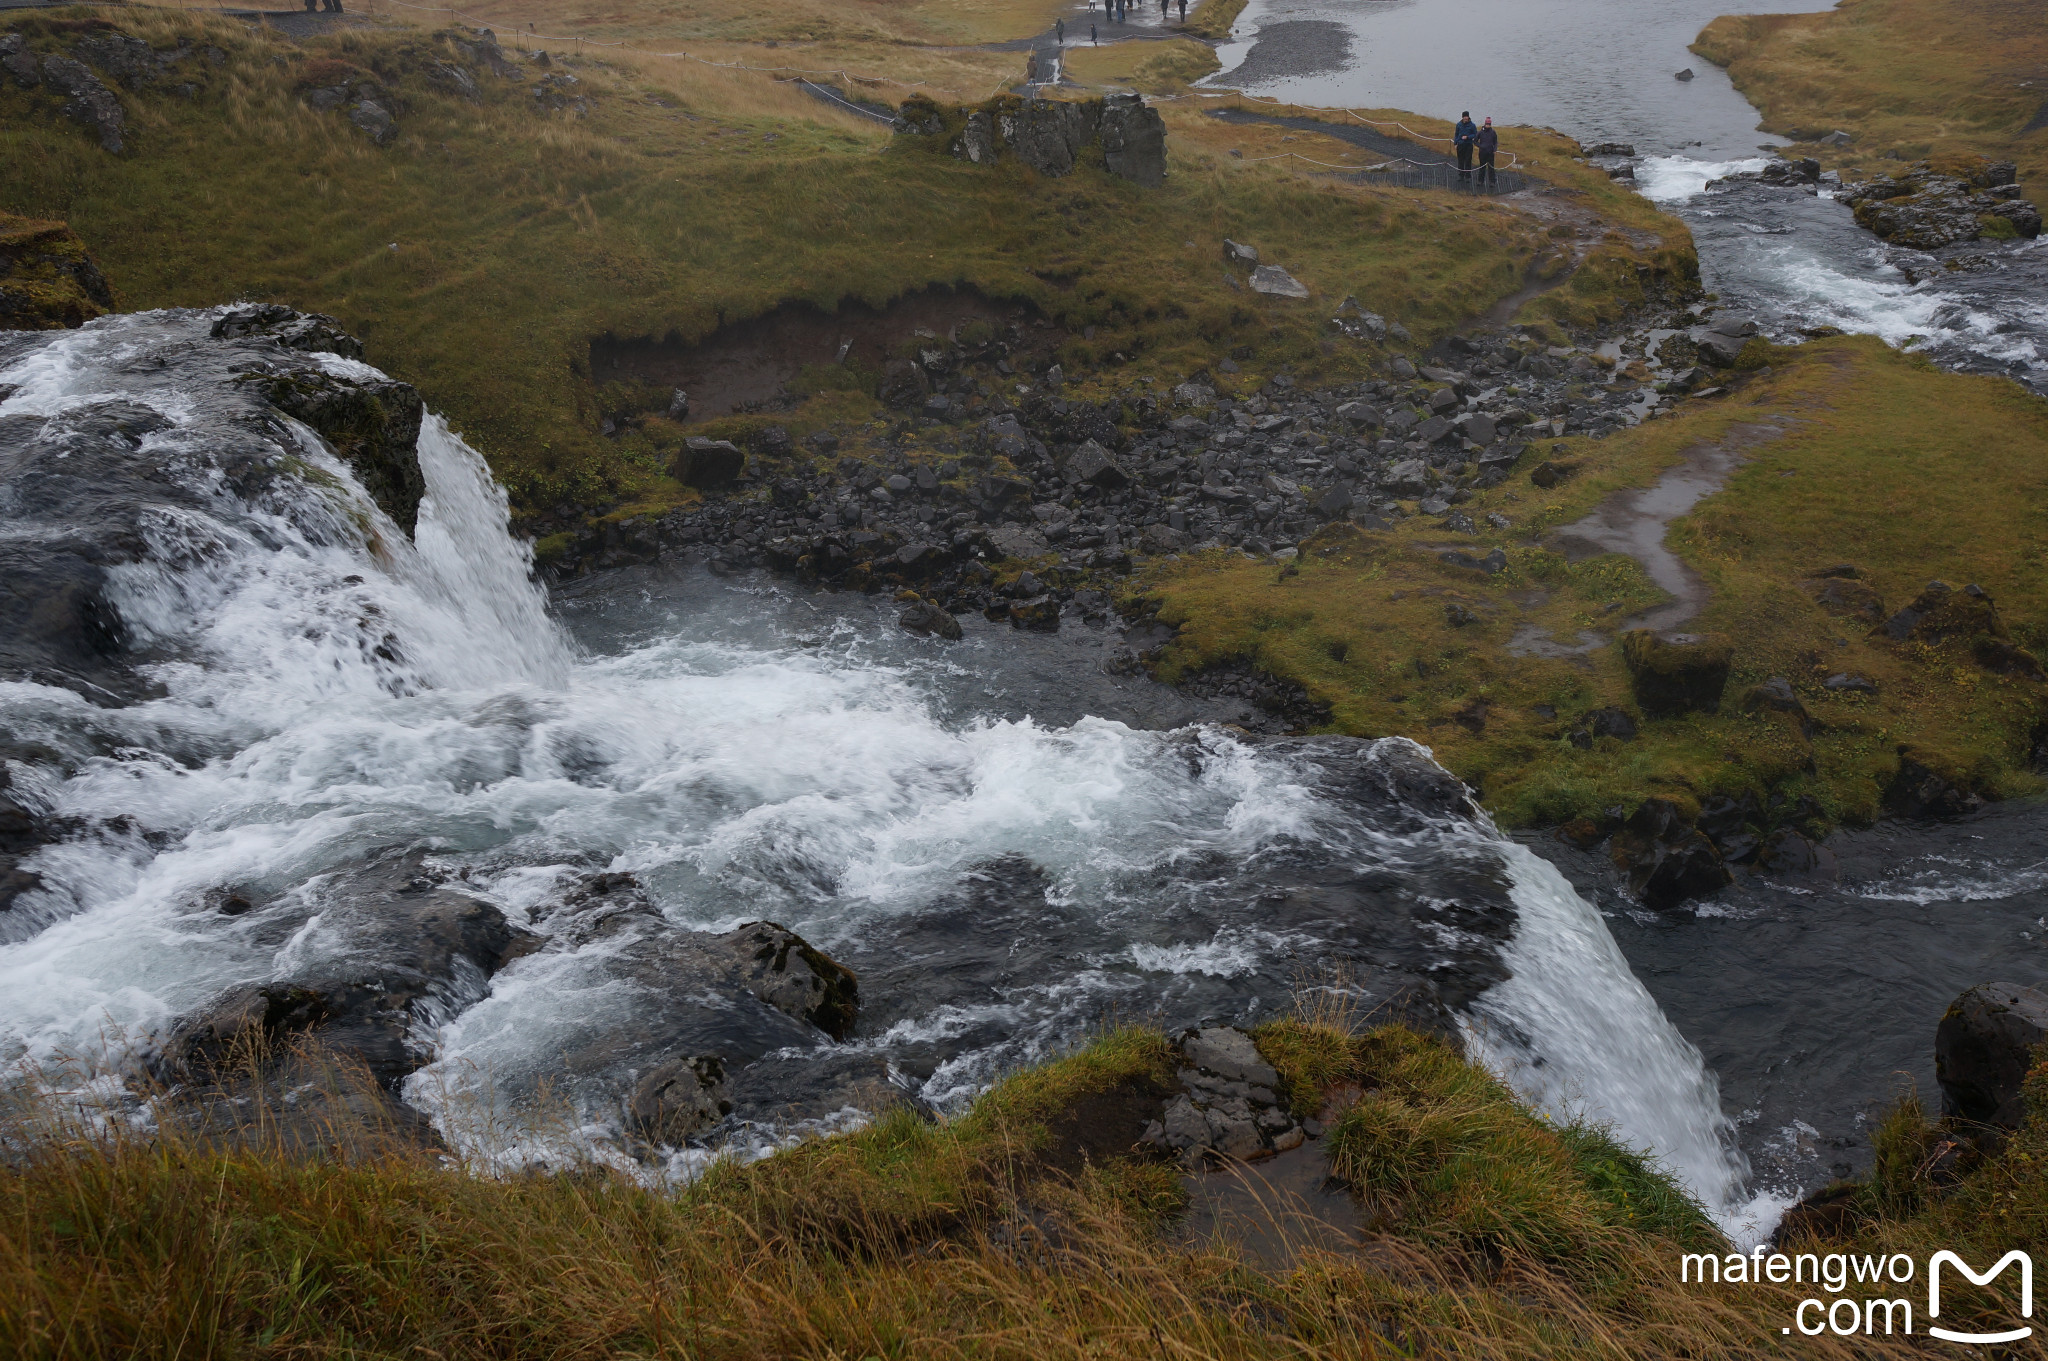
{"points": [[1152, 67], [907, 1239], [479, 254], [1874, 458], [1943, 79]]}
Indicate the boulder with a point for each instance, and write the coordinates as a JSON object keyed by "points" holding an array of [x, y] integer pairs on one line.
{"points": [[708, 463], [1722, 351], [1676, 673], [1667, 861], [1229, 1053], [1038, 614], [977, 141], [1983, 1047], [47, 281], [678, 1098], [1092, 463], [1276, 282], [1686, 74], [375, 120], [1047, 134], [925, 619], [1776, 695], [1237, 253], [782, 969], [1133, 141]]}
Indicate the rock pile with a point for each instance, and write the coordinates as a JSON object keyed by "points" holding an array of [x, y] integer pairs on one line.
{"points": [[1049, 135], [1926, 210], [1230, 1105]]}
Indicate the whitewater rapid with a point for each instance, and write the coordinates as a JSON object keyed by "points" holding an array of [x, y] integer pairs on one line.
{"points": [[326, 690]]}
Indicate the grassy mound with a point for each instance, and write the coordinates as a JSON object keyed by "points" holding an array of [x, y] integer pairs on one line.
{"points": [[996, 1235], [1910, 79], [1854, 455]]}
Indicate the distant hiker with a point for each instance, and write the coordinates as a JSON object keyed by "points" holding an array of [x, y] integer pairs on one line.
{"points": [[1183, 11], [1488, 142], [1465, 137], [1062, 39], [1091, 35]]}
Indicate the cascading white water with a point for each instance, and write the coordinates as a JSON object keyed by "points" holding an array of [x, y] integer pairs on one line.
{"points": [[1602, 1052], [332, 691]]}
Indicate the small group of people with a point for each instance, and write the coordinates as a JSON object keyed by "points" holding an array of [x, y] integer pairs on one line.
{"points": [[1471, 138], [1118, 11]]}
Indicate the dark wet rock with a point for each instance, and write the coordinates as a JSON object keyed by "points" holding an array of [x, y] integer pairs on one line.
{"points": [[1940, 613], [1667, 862], [708, 463], [408, 945], [1676, 673], [1047, 134], [372, 424], [1228, 1107], [1845, 683], [47, 281], [926, 619], [1927, 210], [1983, 1048], [87, 100], [1608, 149], [1091, 463], [1918, 790], [310, 332], [1829, 1215], [782, 969], [1786, 853], [677, 1099], [1039, 614]]}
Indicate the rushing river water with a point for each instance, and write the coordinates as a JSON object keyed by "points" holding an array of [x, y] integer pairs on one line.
{"points": [[1603, 71]]}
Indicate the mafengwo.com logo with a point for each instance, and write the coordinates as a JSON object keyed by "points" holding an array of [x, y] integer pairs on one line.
{"points": [[1868, 1294]]}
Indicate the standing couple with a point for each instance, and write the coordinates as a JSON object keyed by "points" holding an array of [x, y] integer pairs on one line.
{"points": [[1470, 138]]}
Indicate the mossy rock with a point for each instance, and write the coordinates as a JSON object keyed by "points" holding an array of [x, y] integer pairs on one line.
{"points": [[372, 425], [1677, 673], [47, 281]]}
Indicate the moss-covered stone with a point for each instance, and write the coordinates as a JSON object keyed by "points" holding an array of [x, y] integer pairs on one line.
{"points": [[373, 426], [1676, 673], [47, 280]]}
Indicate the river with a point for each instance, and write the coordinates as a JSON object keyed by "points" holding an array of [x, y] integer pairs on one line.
{"points": [[1604, 71]]}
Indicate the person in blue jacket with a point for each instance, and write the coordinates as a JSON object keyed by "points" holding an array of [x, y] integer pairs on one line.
{"points": [[1487, 143], [1465, 137]]}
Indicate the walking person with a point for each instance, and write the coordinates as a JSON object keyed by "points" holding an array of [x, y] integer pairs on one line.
{"points": [[1183, 11], [1465, 137], [1061, 30], [1488, 142], [1091, 36]]}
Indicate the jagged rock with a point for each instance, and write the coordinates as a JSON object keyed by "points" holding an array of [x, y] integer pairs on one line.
{"points": [[1608, 149], [924, 619], [129, 60], [1091, 463], [1040, 614], [1667, 862], [1942, 614], [1047, 134], [1133, 141], [372, 424], [47, 281], [1676, 673], [374, 119], [977, 143], [708, 463], [1984, 1046], [310, 332], [1237, 253], [455, 79], [1277, 283], [88, 100], [481, 49]]}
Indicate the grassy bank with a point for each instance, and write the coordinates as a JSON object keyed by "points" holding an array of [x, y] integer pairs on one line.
{"points": [[1911, 79], [1493, 1234], [481, 251], [1855, 454]]}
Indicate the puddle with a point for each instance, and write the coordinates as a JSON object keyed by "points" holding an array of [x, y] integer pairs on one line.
{"points": [[1275, 1210]]}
